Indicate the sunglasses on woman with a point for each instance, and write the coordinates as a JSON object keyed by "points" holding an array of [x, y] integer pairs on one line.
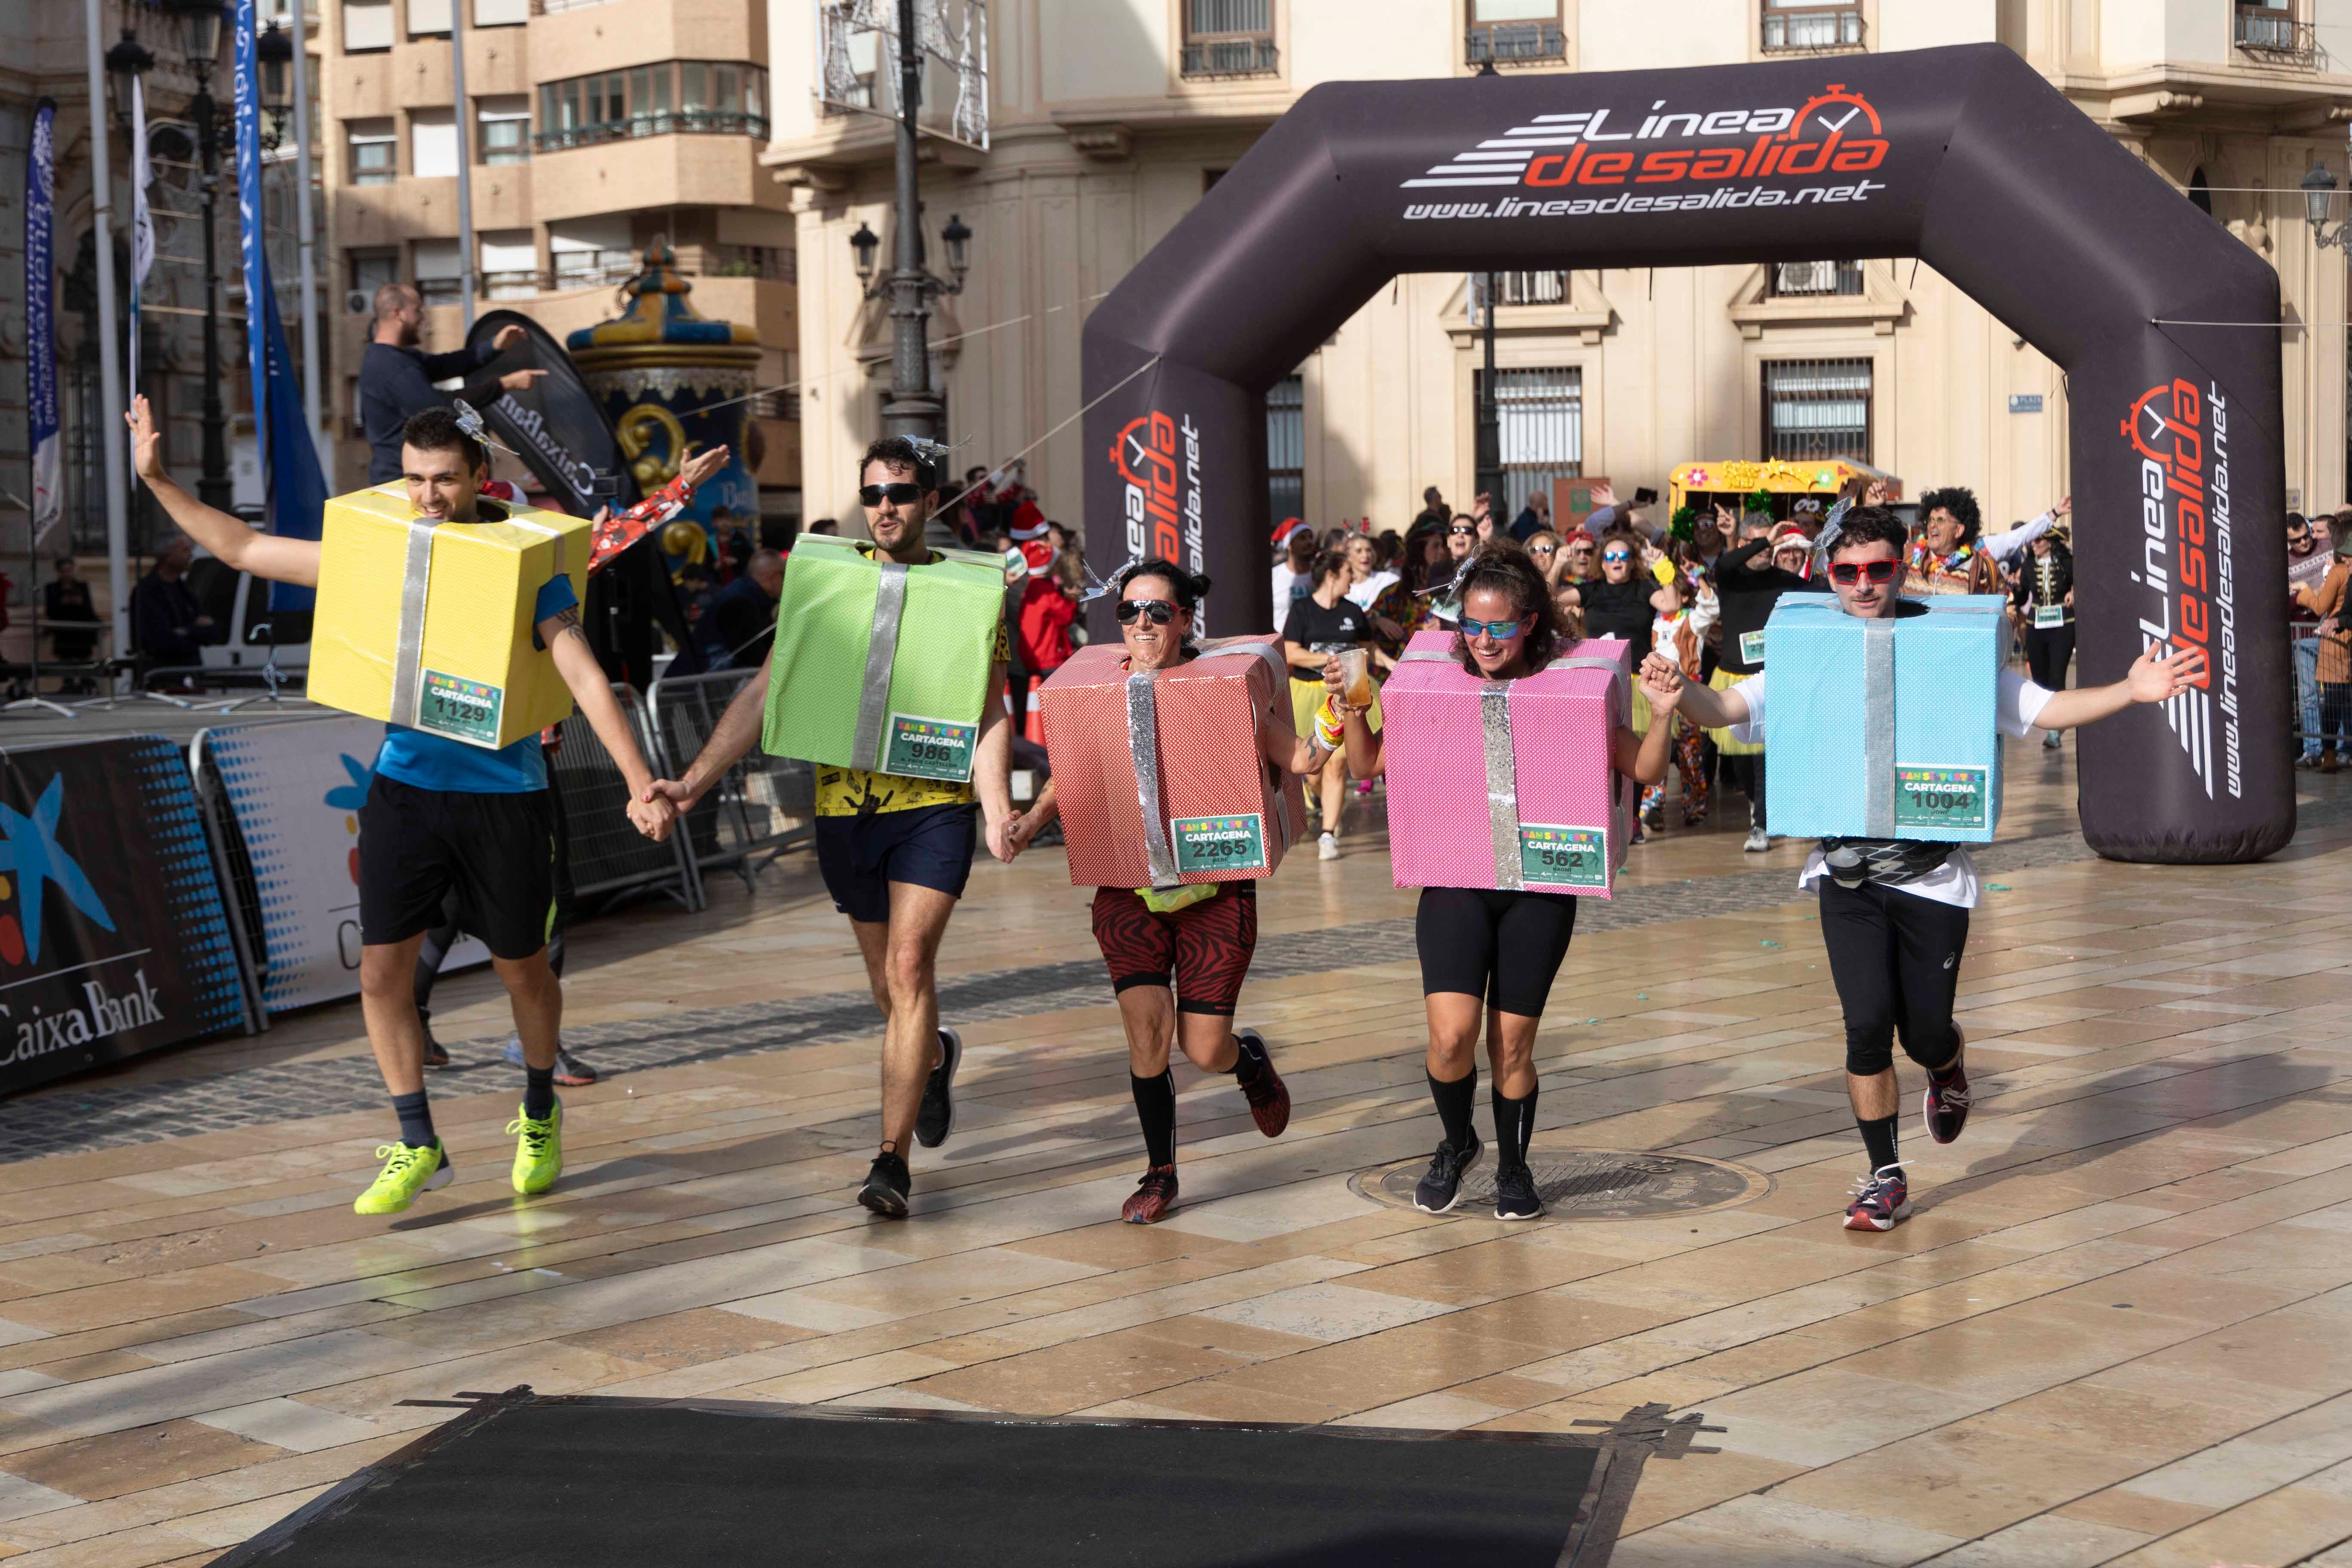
{"points": [[1501, 631], [1461, 530], [1541, 549], [898, 494], [1131, 610], [1846, 574], [1616, 556]]}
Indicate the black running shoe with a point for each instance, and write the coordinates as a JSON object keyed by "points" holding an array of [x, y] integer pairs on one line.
{"points": [[1268, 1096], [935, 1119], [1441, 1187], [885, 1191], [1515, 1194]]}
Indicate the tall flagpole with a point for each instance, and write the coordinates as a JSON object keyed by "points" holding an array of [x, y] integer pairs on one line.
{"points": [[464, 163], [304, 247], [110, 433]]}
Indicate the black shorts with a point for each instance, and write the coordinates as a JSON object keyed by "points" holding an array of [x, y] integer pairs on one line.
{"points": [[1485, 942], [1204, 949], [859, 856], [496, 852]]}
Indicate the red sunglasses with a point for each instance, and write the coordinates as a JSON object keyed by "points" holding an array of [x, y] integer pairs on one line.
{"points": [[1846, 574]]}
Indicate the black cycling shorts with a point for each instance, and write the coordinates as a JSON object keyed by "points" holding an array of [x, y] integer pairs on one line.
{"points": [[1203, 952], [496, 852], [1484, 941]]}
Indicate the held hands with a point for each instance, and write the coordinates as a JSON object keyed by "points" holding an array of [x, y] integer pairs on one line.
{"points": [[2153, 678], [1661, 683], [146, 441], [652, 815], [702, 466], [1020, 829], [661, 802], [1002, 842]]}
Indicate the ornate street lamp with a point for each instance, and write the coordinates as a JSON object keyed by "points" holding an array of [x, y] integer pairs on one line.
{"points": [[2319, 189]]}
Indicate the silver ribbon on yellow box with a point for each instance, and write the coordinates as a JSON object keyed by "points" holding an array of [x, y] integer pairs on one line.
{"points": [[415, 582]]}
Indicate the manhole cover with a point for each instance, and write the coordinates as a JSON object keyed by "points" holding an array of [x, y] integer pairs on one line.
{"points": [[1587, 1183]]}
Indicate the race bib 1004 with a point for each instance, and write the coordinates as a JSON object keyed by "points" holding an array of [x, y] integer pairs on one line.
{"points": [[460, 709], [929, 748], [1219, 843], [1939, 798], [1563, 856]]}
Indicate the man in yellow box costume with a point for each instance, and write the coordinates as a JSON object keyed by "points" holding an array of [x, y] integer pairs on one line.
{"points": [[894, 849], [443, 813]]}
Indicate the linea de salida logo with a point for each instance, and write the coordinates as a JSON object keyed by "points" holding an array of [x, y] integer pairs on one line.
{"points": [[2186, 580], [1162, 491], [1834, 138]]}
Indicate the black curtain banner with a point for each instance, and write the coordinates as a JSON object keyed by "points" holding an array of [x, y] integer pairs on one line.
{"points": [[113, 937], [1963, 157], [559, 429]]}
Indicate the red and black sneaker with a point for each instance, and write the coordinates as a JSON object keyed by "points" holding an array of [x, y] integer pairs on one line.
{"points": [[1268, 1096], [1154, 1196], [1880, 1199], [1946, 1106]]}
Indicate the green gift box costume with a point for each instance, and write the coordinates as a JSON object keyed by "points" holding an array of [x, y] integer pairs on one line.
{"points": [[880, 666]]}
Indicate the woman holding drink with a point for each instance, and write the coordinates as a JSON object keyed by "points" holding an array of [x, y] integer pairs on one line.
{"points": [[1490, 955], [1178, 957], [1325, 623]]}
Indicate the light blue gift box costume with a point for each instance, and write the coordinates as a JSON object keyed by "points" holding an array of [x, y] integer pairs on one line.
{"points": [[1884, 728]]}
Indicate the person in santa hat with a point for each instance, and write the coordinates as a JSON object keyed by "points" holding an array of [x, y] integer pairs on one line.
{"points": [[1047, 608]]}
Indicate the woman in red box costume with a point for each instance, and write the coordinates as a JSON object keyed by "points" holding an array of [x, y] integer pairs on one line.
{"points": [[1177, 958], [1490, 955]]}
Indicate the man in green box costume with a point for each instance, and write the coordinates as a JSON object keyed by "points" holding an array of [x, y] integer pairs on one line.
{"points": [[894, 850]]}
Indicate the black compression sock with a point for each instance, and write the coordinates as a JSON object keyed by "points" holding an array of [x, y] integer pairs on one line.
{"points": [[1515, 1123], [538, 1092], [1455, 1101], [1155, 1107], [415, 1119], [1879, 1138]]}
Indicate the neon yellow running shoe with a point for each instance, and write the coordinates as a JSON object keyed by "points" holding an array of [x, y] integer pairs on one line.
{"points": [[406, 1172], [539, 1151]]}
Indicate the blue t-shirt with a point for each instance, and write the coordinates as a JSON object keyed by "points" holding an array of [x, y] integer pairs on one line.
{"points": [[434, 761]]}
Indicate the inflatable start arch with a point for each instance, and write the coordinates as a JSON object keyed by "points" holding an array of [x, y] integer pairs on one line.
{"points": [[1963, 157]]}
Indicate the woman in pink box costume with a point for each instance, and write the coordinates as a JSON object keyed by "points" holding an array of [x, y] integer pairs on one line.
{"points": [[1177, 958], [1486, 953]]}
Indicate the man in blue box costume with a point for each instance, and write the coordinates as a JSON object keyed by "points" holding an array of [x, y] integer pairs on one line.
{"points": [[1894, 912]]}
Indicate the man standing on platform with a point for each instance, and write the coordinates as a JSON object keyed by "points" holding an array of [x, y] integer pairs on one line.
{"points": [[894, 852], [396, 377]]}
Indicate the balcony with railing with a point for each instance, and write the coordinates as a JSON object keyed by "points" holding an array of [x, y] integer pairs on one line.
{"points": [[1795, 29], [2271, 35], [1228, 39], [1515, 43]]}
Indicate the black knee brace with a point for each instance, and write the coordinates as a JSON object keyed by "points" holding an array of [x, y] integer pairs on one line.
{"points": [[1870, 1049]]}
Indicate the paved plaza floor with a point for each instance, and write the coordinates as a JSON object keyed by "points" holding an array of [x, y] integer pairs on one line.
{"points": [[2118, 1328]]}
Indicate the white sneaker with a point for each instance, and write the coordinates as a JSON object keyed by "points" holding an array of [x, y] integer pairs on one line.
{"points": [[2053, 740], [1329, 847], [1757, 841]]}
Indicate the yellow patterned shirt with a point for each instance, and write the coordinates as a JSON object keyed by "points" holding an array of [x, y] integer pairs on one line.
{"points": [[848, 792]]}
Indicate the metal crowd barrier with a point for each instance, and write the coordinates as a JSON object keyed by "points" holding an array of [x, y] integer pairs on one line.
{"points": [[761, 807], [610, 859]]}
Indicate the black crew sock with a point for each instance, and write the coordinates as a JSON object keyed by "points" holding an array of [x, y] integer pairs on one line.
{"points": [[538, 1092], [1246, 1062], [1515, 1123], [1879, 1138], [1456, 1102], [415, 1119], [1155, 1107]]}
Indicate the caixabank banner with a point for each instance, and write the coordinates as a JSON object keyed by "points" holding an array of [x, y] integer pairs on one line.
{"points": [[114, 938], [2166, 325], [296, 792]]}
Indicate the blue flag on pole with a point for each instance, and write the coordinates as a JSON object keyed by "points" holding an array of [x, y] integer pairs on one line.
{"points": [[294, 487], [41, 341]]}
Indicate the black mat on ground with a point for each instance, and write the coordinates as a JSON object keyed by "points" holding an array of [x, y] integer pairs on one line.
{"points": [[587, 1483]]}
